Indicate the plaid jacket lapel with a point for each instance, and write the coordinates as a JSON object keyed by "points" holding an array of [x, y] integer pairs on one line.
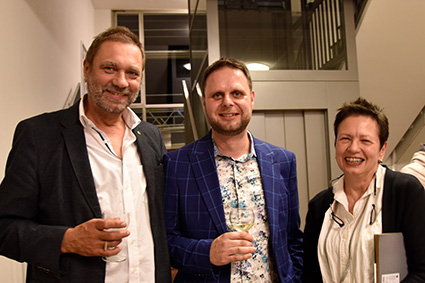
{"points": [[205, 173], [270, 171]]}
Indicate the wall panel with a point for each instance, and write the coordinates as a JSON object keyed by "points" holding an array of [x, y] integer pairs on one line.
{"points": [[275, 128], [295, 142], [317, 151], [303, 132]]}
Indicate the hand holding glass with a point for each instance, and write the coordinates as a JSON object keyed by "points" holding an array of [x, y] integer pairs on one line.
{"points": [[122, 255]]}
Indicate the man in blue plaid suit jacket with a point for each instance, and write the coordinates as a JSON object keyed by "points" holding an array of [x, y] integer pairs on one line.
{"points": [[198, 194]]}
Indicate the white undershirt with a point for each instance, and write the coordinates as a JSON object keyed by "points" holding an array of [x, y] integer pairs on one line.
{"points": [[346, 254], [121, 182]]}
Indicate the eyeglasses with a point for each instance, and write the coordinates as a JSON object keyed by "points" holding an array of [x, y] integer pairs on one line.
{"points": [[341, 223], [335, 218], [372, 217]]}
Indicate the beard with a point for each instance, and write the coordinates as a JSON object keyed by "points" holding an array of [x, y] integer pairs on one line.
{"points": [[232, 129], [96, 92]]}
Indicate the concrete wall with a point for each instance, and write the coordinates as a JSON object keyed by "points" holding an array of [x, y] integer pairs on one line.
{"points": [[391, 61], [40, 55]]}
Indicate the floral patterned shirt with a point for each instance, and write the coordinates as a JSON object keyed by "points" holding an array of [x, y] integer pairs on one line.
{"points": [[240, 183]]}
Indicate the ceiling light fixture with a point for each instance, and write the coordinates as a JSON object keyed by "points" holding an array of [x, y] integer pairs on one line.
{"points": [[187, 66], [257, 67]]}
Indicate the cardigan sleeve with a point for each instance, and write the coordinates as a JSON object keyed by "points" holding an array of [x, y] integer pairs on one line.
{"points": [[317, 208], [403, 210]]}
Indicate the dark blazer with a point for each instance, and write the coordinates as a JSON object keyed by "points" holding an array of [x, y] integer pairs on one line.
{"points": [[48, 187], [403, 210], [194, 214]]}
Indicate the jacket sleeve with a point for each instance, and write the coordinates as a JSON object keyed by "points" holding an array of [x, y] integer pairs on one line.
{"points": [[404, 211], [23, 236], [190, 255], [316, 210], [295, 235]]}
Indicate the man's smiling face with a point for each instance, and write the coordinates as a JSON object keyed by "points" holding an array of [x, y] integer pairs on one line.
{"points": [[228, 101], [113, 80]]}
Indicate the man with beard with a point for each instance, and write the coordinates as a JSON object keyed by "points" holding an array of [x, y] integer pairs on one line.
{"points": [[68, 168], [229, 169]]}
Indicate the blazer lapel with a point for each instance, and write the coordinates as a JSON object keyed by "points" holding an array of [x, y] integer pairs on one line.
{"points": [[204, 168], [73, 134], [147, 158], [271, 184]]}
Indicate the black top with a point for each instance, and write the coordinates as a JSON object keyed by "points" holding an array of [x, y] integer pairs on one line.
{"points": [[403, 210]]}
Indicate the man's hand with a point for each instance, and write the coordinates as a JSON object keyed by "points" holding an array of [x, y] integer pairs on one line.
{"points": [[230, 247], [91, 239]]}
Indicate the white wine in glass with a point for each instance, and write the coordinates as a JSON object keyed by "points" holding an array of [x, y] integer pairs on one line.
{"points": [[241, 219]]}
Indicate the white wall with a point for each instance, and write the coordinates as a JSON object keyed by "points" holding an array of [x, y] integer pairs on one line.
{"points": [[391, 61], [40, 59]]}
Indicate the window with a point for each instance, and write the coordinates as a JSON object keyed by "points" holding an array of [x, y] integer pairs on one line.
{"points": [[166, 44]]}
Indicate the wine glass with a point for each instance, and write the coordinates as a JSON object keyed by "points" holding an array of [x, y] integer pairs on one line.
{"points": [[124, 216], [241, 218]]}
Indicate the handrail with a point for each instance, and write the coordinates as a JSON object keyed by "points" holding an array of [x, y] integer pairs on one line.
{"points": [[326, 44], [72, 97], [189, 110], [359, 7]]}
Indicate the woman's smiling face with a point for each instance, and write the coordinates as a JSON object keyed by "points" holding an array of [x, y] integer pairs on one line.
{"points": [[357, 146]]}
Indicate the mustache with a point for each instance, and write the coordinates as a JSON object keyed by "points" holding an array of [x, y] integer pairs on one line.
{"points": [[116, 90]]}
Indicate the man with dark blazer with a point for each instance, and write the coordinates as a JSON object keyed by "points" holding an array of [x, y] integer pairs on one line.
{"points": [[67, 167], [228, 168]]}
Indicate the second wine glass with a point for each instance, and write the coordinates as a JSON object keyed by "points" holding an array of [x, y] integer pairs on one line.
{"points": [[124, 216]]}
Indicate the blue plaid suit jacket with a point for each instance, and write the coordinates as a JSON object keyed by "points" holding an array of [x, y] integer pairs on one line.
{"points": [[194, 214]]}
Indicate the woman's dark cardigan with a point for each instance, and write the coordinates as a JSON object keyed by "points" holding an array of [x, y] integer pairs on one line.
{"points": [[403, 210]]}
